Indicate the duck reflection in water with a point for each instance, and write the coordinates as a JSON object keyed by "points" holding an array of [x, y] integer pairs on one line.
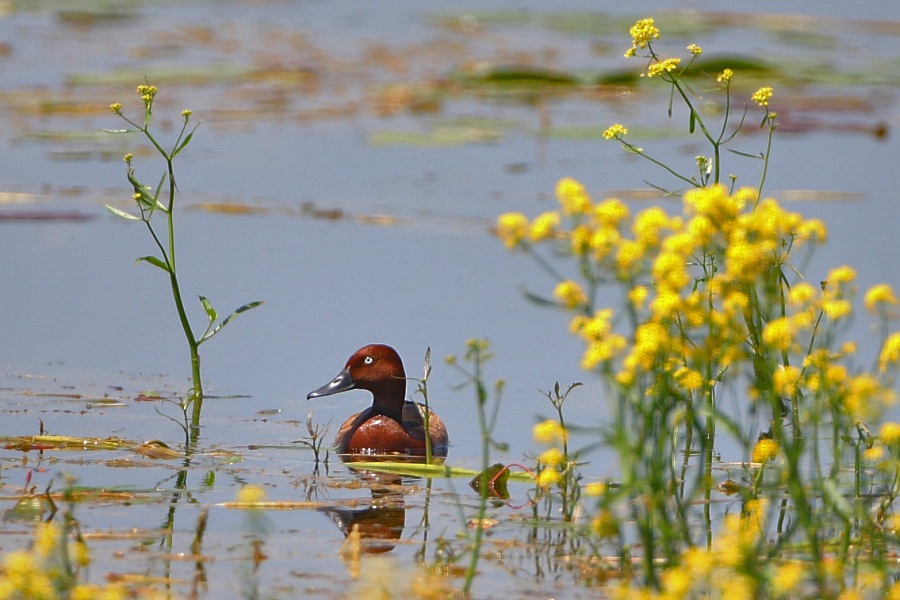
{"points": [[380, 521], [391, 429]]}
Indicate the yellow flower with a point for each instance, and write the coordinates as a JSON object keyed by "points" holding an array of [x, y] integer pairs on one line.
{"points": [[874, 454], [572, 197], [813, 229], [890, 433], [551, 458], [890, 352], [594, 489], [604, 524], [550, 432], [628, 255], [80, 553], [879, 295], [841, 275], [604, 240], [765, 449], [570, 294], [726, 76], [695, 49], [250, 494], [788, 576], [666, 66], [669, 270], [762, 95], [581, 240], [784, 380], [47, 535], [650, 339], [512, 228], [699, 561], [778, 333], [548, 477], [544, 226], [690, 379], [648, 224], [801, 294], [666, 303], [836, 309], [616, 131], [638, 296], [186, 113], [601, 351], [116, 108], [611, 212], [643, 32]]}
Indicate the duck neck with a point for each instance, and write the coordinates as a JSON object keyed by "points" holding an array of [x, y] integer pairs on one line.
{"points": [[389, 398]]}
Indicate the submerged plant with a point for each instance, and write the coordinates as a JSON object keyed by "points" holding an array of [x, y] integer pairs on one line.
{"points": [[149, 200], [718, 333]]}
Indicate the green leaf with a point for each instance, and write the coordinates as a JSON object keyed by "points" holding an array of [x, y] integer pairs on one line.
{"points": [[156, 262], [244, 308], [210, 311], [832, 494], [423, 470], [496, 475], [187, 140], [746, 154], [122, 213]]}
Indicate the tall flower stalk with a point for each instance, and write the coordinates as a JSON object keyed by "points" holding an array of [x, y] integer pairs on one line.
{"points": [[149, 200]]}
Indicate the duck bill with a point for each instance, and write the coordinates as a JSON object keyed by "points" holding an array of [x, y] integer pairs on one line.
{"points": [[341, 383]]}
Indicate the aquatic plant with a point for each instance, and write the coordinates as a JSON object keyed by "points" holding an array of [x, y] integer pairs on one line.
{"points": [[149, 200], [477, 353], [718, 334]]}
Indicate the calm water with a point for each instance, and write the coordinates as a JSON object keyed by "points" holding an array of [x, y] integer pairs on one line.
{"points": [[308, 127]]}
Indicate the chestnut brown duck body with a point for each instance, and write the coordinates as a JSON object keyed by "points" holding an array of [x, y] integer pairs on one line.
{"points": [[392, 424]]}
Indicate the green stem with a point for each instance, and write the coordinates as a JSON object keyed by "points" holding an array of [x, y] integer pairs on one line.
{"points": [[481, 396]]}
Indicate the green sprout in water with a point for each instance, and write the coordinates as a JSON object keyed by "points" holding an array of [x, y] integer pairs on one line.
{"points": [[149, 200]]}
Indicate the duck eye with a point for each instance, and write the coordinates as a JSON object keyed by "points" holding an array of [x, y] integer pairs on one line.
{"points": [[369, 360]]}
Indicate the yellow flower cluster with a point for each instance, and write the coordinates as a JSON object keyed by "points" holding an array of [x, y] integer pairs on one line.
{"points": [[615, 131], [642, 33], [765, 449], [147, 93], [762, 96], [550, 432], [726, 570], [692, 281], [44, 571], [664, 66], [552, 462]]}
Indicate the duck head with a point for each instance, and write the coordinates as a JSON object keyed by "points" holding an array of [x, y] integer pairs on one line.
{"points": [[376, 368]]}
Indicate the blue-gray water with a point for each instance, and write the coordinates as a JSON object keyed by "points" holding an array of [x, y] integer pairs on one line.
{"points": [[77, 311]]}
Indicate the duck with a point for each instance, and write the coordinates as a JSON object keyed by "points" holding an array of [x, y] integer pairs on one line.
{"points": [[392, 425]]}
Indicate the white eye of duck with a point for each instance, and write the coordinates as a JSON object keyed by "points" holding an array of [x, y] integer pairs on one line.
{"points": [[369, 360]]}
